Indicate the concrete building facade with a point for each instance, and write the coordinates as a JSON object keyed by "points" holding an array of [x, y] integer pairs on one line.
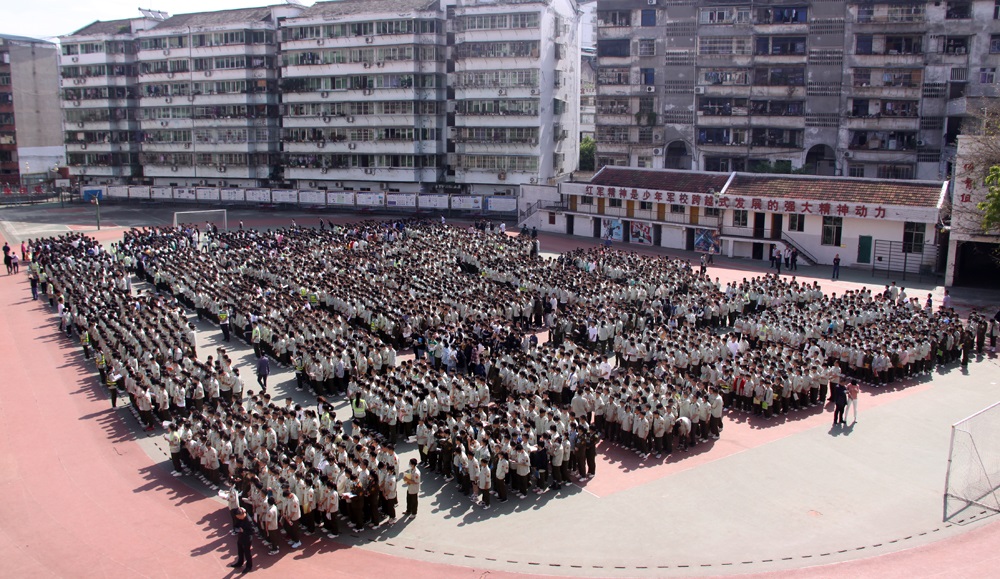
{"points": [[30, 134], [457, 96], [874, 89]]}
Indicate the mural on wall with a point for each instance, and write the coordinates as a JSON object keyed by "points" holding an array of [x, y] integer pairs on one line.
{"points": [[611, 229], [642, 233], [707, 241]]}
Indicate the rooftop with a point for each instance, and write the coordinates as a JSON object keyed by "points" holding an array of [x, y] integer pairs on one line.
{"points": [[351, 7], [15, 38], [819, 188], [216, 17], [109, 27], [662, 179], [847, 189]]}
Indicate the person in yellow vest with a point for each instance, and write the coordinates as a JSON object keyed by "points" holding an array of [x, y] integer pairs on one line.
{"points": [[300, 372], [102, 364], [85, 342], [111, 381], [313, 299], [359, 408], [255, 340], [224, 323]]}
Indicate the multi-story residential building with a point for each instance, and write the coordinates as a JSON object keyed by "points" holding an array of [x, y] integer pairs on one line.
{"points": [[30, 135], [865, 89], [588, 92], [516, 92], [100, 101], [208, 99], [468, 96], [364, 91]]}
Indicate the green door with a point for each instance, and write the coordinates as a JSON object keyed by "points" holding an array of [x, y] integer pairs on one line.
{"points": [[865, 249]]}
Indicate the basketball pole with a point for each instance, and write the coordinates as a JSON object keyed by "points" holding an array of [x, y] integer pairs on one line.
{"points": [[97, 202]]}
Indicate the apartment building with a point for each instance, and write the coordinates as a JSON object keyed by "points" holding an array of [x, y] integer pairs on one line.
{"points": [[471, 96], [364, 91], [516, 93], [874, 89], [30, 135]]}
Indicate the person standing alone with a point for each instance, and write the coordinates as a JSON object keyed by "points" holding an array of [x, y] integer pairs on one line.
{"points": [[852, 398], [244, 536], [412, 481], [840, 403]]}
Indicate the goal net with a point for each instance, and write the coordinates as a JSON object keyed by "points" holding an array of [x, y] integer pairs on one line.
{"points": [[973, 476], [200, 219]]}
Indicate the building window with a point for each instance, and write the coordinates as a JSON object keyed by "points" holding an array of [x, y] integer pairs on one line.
{"points": [[614, 202], [958, 11], [649, 17], [864, 44], [647, 47], [832, 227], [552, 218], [895, 172], [645, 205], [913, 237], [712, 212], [996, 9], [644, 162], [796, 222], [619, 47], [647, 76], [740, 218], [987, 75], [855, 170], [586, 200], [678, 209], [995, 43], [956, 44]]}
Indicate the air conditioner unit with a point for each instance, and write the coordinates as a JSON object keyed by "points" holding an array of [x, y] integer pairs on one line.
{"points": [[323, 170], [657, 151], [384, 185], [168, 100], [848, 154], [208, 73], [324, 94], [699, 90], [534, 180], [326, 119], [534, 91], [222, 168], [83, 145], [352, 146], [502, 176], [921, 143], [651, 2], [319, 42], [368, 65], [76, 59], [312, 183], [338, 184], [502, 92], [166, 52], [650, 89], [350, 119]]}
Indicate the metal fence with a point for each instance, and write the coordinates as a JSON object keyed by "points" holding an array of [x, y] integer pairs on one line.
{"points": [[906, 260]]}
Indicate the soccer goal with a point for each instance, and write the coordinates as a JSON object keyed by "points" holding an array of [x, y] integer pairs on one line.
{"points": [[217, 217], [973, 476]]}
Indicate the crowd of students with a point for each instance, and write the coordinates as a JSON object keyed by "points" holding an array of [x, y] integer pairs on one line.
{"points": [[644, 353]]}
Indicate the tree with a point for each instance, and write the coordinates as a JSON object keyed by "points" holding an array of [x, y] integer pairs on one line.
{"points": [[982, 163], [588, 154]]}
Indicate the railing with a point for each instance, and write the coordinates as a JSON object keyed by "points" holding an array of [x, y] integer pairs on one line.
{"points": [[800, 247], [529, 210]]}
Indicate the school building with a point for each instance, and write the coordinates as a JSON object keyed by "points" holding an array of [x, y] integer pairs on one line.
{"points": [[889, 225]]}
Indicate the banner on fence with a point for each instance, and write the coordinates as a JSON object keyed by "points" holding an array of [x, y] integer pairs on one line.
{"points": [[118, 191], [370, 199], [340, 198], [508, 204], [401, 200], [312, 197], [231, 195], [160, 193], [473, 202], [284, 196], [138, 192], [433, 201], [208, 194], [185, 194], [258, 195]]}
